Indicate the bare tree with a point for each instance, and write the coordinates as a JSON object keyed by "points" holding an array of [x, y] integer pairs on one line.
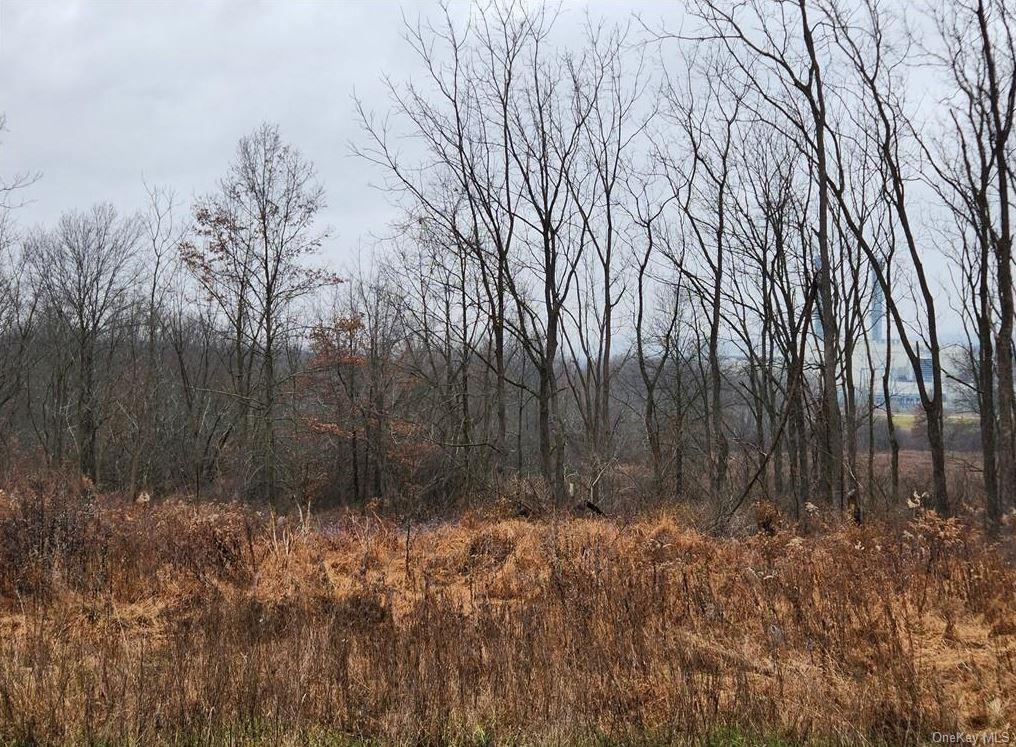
{"points": [[85, 270], [773, 46], [257, 231], [887, 133], [978, 53]]}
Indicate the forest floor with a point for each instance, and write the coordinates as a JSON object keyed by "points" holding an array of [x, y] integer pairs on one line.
{"points": [[176, 622]]}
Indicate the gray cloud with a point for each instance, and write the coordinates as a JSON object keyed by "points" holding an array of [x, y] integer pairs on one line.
{"points": [[99, 95]]}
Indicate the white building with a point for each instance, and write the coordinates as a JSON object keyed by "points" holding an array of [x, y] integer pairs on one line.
{"points": [[904, 393]]}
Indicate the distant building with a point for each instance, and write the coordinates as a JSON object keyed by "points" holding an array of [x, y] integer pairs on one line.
{"points": [[870, 356], [904, 393]]}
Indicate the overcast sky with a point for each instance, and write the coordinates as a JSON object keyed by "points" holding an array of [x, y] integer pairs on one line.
{"points": [[100, 94]]}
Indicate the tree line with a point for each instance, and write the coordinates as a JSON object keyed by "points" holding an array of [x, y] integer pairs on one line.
{"points": [[632, 263]]}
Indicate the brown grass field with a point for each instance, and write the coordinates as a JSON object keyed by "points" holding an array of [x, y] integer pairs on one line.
{"points": [[180, 623]]}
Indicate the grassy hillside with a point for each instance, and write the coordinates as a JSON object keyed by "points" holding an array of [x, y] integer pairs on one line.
{"points": [[174, 622]]}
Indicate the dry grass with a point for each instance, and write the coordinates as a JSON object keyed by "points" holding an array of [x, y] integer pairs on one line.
{"points": [[183, 623]]}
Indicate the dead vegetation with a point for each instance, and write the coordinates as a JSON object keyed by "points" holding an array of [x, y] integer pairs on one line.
{"points": [[176, 622]]}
